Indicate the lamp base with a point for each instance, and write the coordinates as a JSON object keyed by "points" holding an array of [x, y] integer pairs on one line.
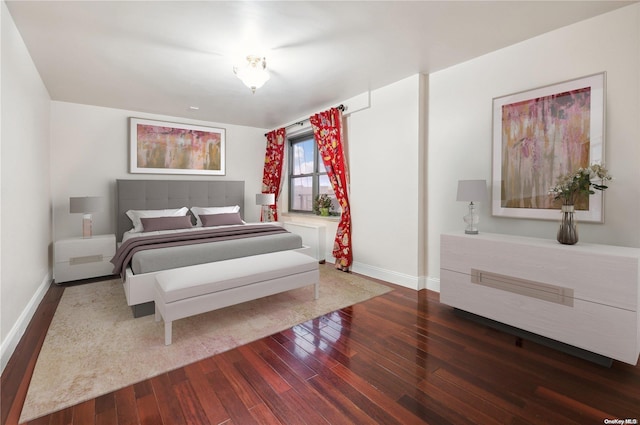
{"points": [[267, 216], [472, 219], [87, 225]]}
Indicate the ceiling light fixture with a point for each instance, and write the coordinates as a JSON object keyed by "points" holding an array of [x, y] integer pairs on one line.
{"points": [[254, 73]]}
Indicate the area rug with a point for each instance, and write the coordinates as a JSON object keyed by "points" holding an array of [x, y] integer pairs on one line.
{"points": [[94, 345]]}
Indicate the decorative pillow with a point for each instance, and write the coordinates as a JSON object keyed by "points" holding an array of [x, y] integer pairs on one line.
{"points": [[224, 219], [198, 211], [136, 215], [151, 224]]}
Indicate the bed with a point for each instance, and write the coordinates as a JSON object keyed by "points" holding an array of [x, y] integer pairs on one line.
{"points": [[210, 244]]}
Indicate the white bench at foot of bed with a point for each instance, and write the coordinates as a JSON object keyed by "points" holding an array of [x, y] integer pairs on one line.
{"points": [[139, 289], [192, 290]]}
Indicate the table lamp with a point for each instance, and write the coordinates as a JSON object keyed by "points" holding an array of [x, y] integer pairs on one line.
{"points": [[470, 191], [85, 205]]}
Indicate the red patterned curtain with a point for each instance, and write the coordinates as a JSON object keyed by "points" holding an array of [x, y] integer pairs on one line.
{"points": [[327, 130], [273, 162]]}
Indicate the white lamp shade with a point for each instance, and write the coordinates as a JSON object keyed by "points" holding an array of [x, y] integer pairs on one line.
{"points": [[254, 73], [85, 204], [265, 199], [472, 190]]}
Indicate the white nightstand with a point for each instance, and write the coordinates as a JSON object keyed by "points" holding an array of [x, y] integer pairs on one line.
{"points": [[82, 258]]}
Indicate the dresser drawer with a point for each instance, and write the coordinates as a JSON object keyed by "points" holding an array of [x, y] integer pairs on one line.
{"points": [[595, 273], [601, 329], [82, 258], [76, 248]]}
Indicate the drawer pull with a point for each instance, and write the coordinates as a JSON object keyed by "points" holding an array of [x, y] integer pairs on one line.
{"points": [[529, 288], [74, 261]]}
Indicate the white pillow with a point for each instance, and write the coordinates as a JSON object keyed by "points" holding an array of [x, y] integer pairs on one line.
{"points": [[198, 211], [136, 215]]}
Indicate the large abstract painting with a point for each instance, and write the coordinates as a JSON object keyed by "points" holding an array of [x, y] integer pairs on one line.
{"points": [[170, 148], [541, 134]]}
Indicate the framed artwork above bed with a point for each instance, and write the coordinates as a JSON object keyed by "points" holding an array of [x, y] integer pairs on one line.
{"points": [[541, 134], [158, 147]]}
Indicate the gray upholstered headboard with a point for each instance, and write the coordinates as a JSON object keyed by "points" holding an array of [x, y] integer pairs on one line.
{"points": [[162, 194]]}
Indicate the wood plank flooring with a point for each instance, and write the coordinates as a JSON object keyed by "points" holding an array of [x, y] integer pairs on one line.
{"points": [[401, 358]]}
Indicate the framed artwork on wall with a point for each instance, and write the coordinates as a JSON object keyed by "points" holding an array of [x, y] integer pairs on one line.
{"points": [[541, 134], [158, 147]]}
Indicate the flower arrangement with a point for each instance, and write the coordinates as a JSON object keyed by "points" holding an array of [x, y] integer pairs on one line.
{"points": [[322, 202], [570, 186]]}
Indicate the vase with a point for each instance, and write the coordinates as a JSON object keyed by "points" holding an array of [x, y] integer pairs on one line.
{"points": [[567, 233], [324, 212]]}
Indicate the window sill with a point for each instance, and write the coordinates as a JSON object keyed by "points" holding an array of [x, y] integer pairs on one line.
{"points": [[309, 217]]}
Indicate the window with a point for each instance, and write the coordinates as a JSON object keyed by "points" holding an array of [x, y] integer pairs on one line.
{"points": [[307, 176]]}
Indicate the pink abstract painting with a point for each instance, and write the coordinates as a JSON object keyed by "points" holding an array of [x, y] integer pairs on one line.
{"points": [[543, 138], [178, 148]]}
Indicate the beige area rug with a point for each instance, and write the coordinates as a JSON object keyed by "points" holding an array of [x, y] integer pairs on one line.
{"points": [[94, 345]]}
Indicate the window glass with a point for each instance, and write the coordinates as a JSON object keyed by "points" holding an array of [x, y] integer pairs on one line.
{"points": [[303, 153], [307, 176], [301, 194]]}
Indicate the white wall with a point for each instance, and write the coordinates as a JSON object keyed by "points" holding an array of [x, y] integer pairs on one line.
{"points": [[386, 151], [460, 135], [25, 201], [90, 150]]}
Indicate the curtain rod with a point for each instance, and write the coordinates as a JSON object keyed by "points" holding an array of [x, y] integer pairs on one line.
{"points": [[340, 107]]}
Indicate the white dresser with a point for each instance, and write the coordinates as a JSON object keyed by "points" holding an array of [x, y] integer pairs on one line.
{"points": [[584, 295], [83, 258]]}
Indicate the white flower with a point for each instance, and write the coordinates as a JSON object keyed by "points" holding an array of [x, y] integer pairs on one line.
{"points": [[570, 186]]}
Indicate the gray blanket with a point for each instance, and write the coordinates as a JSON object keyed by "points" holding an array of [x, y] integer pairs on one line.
{"points": [[132, 246]]}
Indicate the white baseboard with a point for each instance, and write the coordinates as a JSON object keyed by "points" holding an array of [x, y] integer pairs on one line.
{"points": [[10, 343], [433, 284], [402, 279], [408, 281]]}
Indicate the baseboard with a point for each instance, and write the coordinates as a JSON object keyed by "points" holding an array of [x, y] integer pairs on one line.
{"points": [[433, 284], [10, 343], [408, 281]]}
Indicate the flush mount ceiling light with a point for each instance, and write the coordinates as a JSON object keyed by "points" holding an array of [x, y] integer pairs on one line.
{"points": [[253, 73]]}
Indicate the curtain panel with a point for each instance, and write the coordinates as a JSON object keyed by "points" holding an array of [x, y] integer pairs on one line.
{"points": [[273, 164], [327, 131]]}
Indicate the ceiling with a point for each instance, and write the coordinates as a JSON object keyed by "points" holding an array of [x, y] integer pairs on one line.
{"points": [[164, 57]]}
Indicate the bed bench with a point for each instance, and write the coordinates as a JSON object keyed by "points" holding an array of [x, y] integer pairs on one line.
{"points": [[187, 291]]}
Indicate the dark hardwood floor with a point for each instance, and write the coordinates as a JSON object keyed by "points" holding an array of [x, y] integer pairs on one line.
{"points": [[401, 358]]}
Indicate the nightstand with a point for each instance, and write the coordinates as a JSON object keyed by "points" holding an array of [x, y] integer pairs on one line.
{"points": [[83, 258]]}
